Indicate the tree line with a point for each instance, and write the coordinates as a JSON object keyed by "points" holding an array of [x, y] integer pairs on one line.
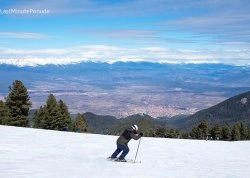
{"points": [[53, 115], [238, 131], [163, 132], [203, 131]]}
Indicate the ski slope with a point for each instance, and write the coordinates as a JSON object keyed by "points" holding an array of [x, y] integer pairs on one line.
{"points": [[35, 153]]}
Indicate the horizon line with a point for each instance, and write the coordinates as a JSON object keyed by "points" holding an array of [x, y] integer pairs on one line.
{"points": [[111, 62]]}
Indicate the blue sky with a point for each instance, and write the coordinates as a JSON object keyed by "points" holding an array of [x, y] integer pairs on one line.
{"points": [[177, 31]]}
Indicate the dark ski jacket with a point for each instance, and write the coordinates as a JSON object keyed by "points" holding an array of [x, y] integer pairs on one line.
{"points": [[127, 135]]}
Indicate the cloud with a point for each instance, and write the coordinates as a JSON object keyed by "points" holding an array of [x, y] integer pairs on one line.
{"points": [[111, 54], [121, 33], [222, 21], [146, 37], [221, 27], [173, 31], [216, 20], [23, 35]]}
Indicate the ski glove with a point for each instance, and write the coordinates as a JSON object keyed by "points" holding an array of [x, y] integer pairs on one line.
{"points": [[141, 134]]}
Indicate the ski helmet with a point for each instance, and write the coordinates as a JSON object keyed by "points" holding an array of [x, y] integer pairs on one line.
{"points": [[134, 127]]}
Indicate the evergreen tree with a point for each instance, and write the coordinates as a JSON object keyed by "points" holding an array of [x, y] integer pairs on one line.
{"points": [[216, 132], [172, 133], [226, 133], [80, 124], [39, 118], [203, 126], [185, 135], [150, 133], [18, 104], [243, 131], [66, 120], [195, 133], [200, 131], [53, 116], [4, 114], [235, 133], [161, 132]]}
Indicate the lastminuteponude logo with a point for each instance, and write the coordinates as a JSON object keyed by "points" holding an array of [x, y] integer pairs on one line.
{"points": [[24, 11]]}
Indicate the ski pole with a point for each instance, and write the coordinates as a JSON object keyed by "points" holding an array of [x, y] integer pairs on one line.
{"points": [[137, 149]]}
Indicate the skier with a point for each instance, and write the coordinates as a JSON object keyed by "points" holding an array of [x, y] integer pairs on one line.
{"points": [[122, 143]]}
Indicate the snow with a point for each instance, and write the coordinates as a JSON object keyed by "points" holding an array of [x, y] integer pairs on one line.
{"points": [[36, 153]]}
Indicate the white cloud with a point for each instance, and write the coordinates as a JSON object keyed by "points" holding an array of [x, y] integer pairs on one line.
{"points": [[101, 53], [227, 22], [23, 35]]}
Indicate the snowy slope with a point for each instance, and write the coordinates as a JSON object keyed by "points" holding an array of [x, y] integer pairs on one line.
{"points": [[34, 153]]}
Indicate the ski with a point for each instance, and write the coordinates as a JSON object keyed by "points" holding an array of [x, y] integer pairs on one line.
{"points": [[130, 161], [127, 160]]}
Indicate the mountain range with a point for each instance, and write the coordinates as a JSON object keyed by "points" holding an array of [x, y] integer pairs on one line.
{"points": [[122, 89]]}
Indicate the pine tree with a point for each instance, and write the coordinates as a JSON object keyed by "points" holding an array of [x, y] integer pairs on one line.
{"points": [[39, 118], [185, 135], [235, 133], [52, 114], [161, 132], [226, 133], [200, 131], [4, 114], [203, 126], [172, 133], [216, 132], [80, 124], [66, 120], [150, 133], [195, 133], [18, 104], [243, 131]]}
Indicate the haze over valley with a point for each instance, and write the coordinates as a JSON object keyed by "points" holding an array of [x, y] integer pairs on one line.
{"points": [[125, 88]]}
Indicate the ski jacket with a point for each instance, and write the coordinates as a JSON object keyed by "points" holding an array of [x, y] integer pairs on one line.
{"points": [[127, 135]]}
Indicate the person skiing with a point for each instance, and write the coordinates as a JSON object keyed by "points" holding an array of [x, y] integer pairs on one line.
{"points": [[122, 143]]}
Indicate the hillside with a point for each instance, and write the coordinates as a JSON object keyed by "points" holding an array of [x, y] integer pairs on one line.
{"points": [[230, 111], [99, 123], [145, 123], [104, 124], [26, 152]]}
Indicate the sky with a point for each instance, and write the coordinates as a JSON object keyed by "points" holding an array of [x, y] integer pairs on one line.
{"points": [[38, 32]]}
